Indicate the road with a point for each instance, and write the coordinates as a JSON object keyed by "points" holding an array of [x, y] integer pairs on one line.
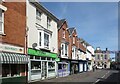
{"points": [[97, 77]]}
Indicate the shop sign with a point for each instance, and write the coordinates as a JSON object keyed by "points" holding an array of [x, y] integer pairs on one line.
{"points": [[41, 53], [11, 48]]}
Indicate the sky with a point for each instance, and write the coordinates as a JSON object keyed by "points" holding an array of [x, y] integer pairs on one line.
{"points": [[96, 22]]}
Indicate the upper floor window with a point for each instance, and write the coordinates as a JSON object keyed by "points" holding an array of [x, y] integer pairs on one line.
{"points": [[66, 49], [48, 22], [98, 56], [40, 39], [1, 22], [38, 15], [46, 40], [73, 40], [63, 34], [62, 49], [105, 56]]}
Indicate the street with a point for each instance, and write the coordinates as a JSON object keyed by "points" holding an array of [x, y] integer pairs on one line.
{"points": [[97, 77]]}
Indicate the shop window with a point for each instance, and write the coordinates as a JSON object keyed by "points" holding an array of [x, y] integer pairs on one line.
{"points": [[13, 70], [37, 57], [48, 58], [35, 65], [31, 57], [43, 58], [51, 65], [1, 22], [6, 70], [59, 66]]}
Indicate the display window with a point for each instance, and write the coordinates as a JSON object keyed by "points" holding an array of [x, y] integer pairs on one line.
{"points": [[13, 70]]}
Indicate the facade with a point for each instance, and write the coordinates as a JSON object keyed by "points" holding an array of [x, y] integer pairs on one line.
{"points": [[82, 56], [102, 58], [63, 46], [42, 42], [90, 56], [13, 58], [74, 63], [117, 60]]}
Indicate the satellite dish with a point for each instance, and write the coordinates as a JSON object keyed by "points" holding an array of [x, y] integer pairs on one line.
{"points": [[34, 45]]}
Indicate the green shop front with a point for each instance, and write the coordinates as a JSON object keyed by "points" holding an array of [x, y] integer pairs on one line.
{"points": [[42, 65]]}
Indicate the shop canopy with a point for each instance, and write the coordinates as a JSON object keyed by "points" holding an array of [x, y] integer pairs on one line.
{"points": [[13, 58]]}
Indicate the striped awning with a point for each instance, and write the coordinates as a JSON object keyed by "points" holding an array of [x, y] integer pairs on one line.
{"points": [[13, 58]]}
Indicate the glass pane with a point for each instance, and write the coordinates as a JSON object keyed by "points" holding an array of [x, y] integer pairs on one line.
{"points": [[39, 38], [6, 70], [35, 65]]}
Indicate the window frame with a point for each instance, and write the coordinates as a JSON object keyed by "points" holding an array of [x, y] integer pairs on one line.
{"points": [[48, 40], [48, 23], [2, 22]]}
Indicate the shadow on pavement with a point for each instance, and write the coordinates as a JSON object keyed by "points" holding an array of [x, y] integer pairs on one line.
{"points": [[114, 78]]}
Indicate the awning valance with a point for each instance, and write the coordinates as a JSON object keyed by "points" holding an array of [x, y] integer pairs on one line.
{"points": [[13, 58]]}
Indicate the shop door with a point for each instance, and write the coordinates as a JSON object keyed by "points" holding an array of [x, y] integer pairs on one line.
{"points": [[44, 69]]}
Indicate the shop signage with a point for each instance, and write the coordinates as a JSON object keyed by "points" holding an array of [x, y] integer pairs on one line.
{"points": [[11, 48], [41, 53]]}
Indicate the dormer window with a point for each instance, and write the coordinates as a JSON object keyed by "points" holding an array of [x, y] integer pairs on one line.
{"points": [[48, 22]]}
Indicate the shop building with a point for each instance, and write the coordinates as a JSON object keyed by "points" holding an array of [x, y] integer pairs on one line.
{"points": [[102, 58], [42, 42], [63, 46], [13, 58], [90, 56], [81, 56], [74, 63]]}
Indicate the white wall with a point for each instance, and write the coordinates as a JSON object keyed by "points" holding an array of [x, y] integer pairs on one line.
{"points": [[33, 33], [31, 20]]}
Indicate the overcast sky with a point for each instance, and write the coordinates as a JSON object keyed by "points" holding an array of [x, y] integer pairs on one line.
{"points": [[96, 22]]}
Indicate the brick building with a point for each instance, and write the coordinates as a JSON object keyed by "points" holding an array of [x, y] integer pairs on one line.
{"points": [[12, 41], [63, 48]]}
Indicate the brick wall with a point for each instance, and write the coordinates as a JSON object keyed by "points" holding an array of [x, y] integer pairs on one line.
{"points": [[15, 23]]}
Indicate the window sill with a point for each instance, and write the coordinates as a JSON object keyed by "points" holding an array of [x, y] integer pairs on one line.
{"points": [[3, 34]]}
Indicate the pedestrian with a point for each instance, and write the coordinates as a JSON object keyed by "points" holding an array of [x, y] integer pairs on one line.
{"points": [[93, 67]]}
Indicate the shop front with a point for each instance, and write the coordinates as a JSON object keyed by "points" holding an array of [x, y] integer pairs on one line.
{"points": [[74, 66], [42, 65], [13, 67], [63, 67], [81, 63], [85, 66]]}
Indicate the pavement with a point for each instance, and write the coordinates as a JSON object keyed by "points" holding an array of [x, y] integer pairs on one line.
{"points": [[90, 77]]}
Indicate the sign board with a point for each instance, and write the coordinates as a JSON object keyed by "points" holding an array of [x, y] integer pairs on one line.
{"points": [[11, 48]]}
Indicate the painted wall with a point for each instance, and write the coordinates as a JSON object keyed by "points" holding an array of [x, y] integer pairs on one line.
{"points": [[34, 27]]}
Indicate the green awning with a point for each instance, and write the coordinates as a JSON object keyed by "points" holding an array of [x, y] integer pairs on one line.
{"points": [[13, 58]]}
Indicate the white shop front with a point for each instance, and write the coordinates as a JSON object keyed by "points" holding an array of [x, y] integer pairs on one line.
{"points": [[42, 65]]}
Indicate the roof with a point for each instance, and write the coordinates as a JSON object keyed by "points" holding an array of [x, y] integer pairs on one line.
{"points": [[70, 30], [60, 23]]}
